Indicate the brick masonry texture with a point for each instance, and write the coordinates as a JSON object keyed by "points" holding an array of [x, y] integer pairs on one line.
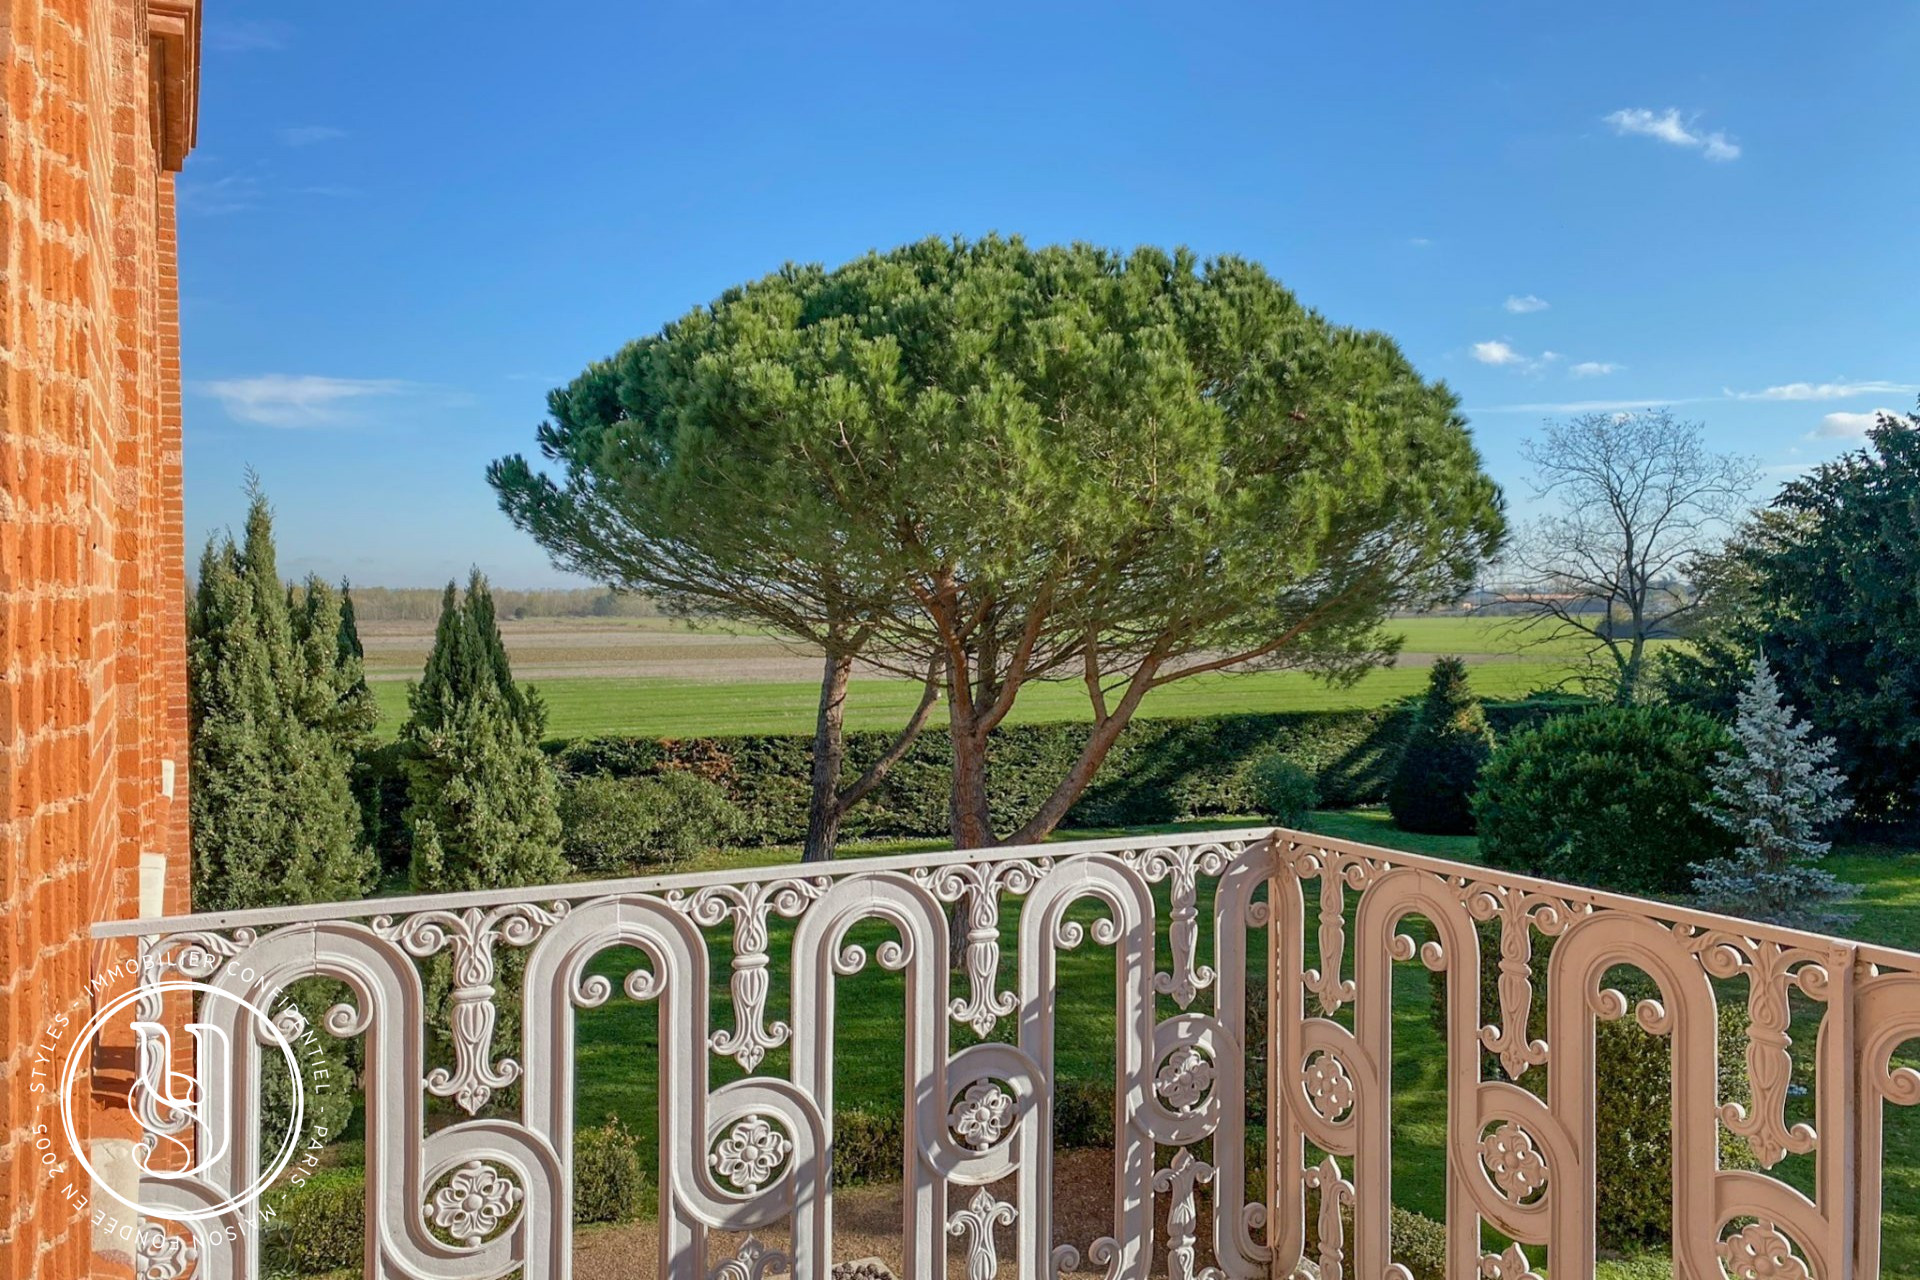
{"points": [[98, 114]]}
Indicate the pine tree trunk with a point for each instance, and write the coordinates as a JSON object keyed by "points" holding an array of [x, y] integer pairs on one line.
{"points": [[824, 809], [970, 822], [969, 819]]}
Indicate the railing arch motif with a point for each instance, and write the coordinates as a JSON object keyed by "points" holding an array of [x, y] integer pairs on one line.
{"points": [[1315, 925]]}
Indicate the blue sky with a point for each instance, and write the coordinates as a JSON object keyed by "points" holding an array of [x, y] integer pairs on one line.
{"points": [[406, 221]]}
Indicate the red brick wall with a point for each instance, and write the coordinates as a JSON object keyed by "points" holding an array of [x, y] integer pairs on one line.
{"points": [[98, 98]]}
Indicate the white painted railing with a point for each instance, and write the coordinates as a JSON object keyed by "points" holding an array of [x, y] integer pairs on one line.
{"points": [[489, 1194]]}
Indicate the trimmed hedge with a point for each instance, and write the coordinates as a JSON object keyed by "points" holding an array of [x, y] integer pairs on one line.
{"points": [[627, 826], [1609, 799], [1159, 770]]}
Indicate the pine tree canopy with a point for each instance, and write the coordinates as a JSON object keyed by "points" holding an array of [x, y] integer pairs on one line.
{"points": [[1020, 464]]}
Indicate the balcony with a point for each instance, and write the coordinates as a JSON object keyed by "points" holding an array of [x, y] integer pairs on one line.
{"points": [[469, 1162]]}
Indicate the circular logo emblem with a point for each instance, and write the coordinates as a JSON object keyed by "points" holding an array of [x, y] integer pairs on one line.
{"points": [[189, 1120]]}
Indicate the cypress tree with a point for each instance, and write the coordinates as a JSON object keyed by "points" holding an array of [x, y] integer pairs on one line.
{"points": [[274, 817], [482, 806], [275, 820], [1774, 792], [329, 653], [350, 646], [1432, 789]]}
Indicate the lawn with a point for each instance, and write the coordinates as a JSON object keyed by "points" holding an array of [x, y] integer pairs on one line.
{"points": [[652, 677], [658, 706]]}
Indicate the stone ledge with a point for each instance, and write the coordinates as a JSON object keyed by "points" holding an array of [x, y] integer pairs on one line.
{"points": [[173, 35]]}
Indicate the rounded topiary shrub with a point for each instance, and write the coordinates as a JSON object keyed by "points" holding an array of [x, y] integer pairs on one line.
{"points": [[611, 825], [1432, 789], [1281, 789], [606, 1173], [867, 1145], [319, 1224], [1609, 799]]}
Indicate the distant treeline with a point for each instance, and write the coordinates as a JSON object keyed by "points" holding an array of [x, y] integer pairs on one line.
{"points": [[422, 604]]}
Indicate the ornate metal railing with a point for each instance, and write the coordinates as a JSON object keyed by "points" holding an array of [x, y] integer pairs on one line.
{"points": [[746, 1183]]}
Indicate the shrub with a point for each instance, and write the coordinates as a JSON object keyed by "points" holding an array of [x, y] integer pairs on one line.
{"points": [[606, 1173], [1282, 790], [1610, 799], [1433, 787], [1416, 1241], [327, 1105], [1082, 1114], [327, 1080], [867, 1146], [320, 1224], [1634, 1166], [613, 824], [481, 806], [1774, 796]]}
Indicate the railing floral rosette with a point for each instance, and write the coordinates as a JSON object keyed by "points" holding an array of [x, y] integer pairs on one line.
{"points": [[1522, 1162], [750, 1160]]}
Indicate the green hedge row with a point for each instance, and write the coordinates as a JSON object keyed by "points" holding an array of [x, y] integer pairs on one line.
{"points": [[1158, 771]]}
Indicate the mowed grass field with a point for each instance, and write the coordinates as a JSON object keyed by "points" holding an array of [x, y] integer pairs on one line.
{"points": [[654, 677]]}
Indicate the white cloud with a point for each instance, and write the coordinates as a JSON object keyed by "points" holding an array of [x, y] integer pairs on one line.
{"points": [[1526, 303], [1420, 242], [1592, 406], [1668, 127], [296, 400], [1825, 390], [241, 35], [1594, 369], [1502, 353], [233, 193], [307, 135], [1847, 426]]}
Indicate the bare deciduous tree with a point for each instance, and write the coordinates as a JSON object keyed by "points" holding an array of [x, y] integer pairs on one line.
{"points": [[1638, 497]]}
